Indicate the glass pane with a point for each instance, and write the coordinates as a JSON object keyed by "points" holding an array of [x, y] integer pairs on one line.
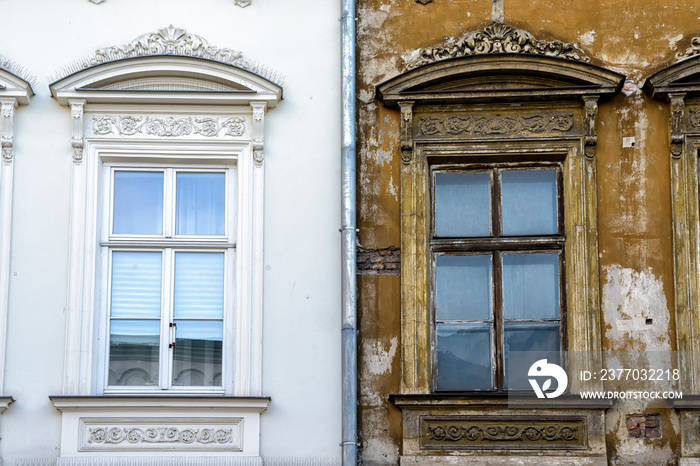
{"points": [[198, 353], [529, 202], [200, 203], [199, 285], [136, 284], [529, 342], [464, 357], [463, 287], [138, 203], [133, 352], [462, 204], [531, 286]]}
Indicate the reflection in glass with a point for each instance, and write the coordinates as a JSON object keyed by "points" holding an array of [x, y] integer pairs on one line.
{"points": [[200, 203], [136, 284], [138, 203], [540, 340], [531, 286], [529, 202], [463, 287], [199, 285], [197, 358], [133, 352], [462, 204], [464, 357]]}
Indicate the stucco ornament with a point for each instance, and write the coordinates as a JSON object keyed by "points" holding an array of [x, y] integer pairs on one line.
{"points": [[496, 38], [169, 41], [134, 435], [691, 51]]}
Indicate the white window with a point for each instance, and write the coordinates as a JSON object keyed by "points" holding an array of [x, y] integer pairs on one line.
{"points": [[169, 249], [166, 240]]}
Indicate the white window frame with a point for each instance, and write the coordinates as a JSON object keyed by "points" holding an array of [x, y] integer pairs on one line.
{"points": [[90, 213], [189, 109], [169, 244]]}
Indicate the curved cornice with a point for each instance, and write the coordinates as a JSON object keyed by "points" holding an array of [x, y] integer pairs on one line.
{"points": [[681, 77], [166, 79], [495, 38], [15, 81], [519, 76]]}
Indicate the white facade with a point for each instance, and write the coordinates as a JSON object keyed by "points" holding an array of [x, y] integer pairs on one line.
{"points": [[279, 402]]}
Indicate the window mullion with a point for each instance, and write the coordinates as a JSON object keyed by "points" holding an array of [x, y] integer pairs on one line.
{"points": [[169, 203], [498, 320], [167, 333]]}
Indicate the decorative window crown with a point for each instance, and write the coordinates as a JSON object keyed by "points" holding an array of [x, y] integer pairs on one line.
{"points": [[691, 51], [169, 41], [495, 38]]}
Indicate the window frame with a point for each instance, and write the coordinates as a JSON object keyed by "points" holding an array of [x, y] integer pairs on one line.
{"points": [[495, 245], [168, 245]]}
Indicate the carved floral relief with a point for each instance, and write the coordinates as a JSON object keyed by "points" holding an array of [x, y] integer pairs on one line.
{"points": [[140, 435], [496, 38], [495, 124], [130, 125]]}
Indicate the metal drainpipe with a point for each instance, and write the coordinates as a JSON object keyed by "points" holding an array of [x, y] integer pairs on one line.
{"points": [[348, 230]]}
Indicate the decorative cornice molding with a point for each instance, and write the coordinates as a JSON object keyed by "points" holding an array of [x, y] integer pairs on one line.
{"points": [[130, 125], [169, 41], [495, 38], [676, 123], [7, 130], [259, 109], [77, 141], [590, 137]]}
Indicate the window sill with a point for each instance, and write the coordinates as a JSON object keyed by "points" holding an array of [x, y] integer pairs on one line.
{"points": [[494, 400], [138, 425], [487, 424]]}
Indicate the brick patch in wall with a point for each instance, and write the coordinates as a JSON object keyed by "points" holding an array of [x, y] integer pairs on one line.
{"points": [[385, 261], [644, 426]]}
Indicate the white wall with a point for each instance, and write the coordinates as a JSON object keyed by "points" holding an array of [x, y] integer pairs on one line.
{"points": [[301, 365]]}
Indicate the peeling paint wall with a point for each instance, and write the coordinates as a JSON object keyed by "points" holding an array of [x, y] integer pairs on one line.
{"points": [[634, 201]]}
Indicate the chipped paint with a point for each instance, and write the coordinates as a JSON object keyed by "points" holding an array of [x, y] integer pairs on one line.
{"points": [[587, 38], [376, 358]]}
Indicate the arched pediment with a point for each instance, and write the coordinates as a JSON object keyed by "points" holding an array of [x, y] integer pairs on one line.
{"points": [[166, 79], [168, 66], [13, 86], [499, 77], [681, 77]]}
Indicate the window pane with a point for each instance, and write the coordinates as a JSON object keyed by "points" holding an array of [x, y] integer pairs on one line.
{"points": [[136, 284], [529, 202], [199, 285], [133, 352], [540, 340], [531, 286], [463, 286], [464, 357], [198, 353], [200, 203], [138, 203], [462, 204]]}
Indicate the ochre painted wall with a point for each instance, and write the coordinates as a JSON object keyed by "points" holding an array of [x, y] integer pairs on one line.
{"points": [[634, 200]]}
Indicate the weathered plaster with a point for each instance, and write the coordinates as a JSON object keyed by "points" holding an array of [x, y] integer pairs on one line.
{"points": [[634, 200]]}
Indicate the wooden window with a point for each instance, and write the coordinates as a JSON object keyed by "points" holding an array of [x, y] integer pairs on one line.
{"points": [[497, 249]]}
